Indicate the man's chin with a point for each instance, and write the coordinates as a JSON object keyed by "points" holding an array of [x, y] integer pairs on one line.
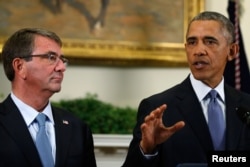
{"points": [[56, 90], [200, 76]]}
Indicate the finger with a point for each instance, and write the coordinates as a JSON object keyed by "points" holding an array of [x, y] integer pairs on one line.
{"points": [[163, 107], [149, 117], [143, 126], [155, 114], [177, 126], [158, 112]]}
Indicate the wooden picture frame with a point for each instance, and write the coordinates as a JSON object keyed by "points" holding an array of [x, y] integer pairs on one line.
{"points": [[105, 50]]}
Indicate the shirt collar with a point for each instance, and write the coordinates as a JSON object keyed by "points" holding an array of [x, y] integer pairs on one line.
{"points": [[201, 89], [29, 113]]}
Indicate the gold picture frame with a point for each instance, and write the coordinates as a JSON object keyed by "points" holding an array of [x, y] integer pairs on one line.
{"points": [[125, 53]]}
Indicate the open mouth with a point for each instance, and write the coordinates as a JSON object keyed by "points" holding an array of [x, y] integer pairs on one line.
{"points": [[200, 64]]}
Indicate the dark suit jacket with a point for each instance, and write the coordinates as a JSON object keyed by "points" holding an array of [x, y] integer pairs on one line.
{"points": [[74, 141], [193, 142]]}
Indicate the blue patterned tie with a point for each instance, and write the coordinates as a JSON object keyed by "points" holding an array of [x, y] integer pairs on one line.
{"points": [[43, 143], [216, 122]]}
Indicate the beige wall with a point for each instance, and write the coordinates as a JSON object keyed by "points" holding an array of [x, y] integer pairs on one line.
{"points": [[127, 86]]}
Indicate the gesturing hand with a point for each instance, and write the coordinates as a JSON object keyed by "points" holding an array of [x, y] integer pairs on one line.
{"points": [[153, 130]]}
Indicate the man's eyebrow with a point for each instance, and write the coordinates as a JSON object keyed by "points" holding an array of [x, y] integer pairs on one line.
{"points": [[54, 53], [191, 38], [210, 37], [206, 38], [51, 52]]}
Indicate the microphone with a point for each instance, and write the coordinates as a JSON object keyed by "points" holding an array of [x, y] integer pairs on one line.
{"points": [[244, 114]]}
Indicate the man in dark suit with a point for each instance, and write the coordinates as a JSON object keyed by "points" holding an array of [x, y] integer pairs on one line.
{"points": [[34, 64], [173, 126]]}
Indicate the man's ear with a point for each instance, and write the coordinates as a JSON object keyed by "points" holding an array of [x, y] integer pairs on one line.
{"points": [[233, 51], [19, 67]]}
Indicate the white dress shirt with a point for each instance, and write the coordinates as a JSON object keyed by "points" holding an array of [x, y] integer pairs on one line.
{"points": [[29, 115], [201, 90]]}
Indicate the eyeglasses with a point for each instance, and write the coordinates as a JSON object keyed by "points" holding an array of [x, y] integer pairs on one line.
{"points": [[52, 57]]}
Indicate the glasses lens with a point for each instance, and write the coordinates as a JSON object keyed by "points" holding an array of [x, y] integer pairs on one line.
{"points": [[64, 60], [52, 58]]}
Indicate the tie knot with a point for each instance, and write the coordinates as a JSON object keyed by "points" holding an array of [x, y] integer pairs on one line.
{"points": [[213, 94], [41, 118]]}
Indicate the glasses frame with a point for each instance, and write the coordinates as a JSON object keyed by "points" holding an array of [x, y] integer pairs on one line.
{"points": [[50, 56]]}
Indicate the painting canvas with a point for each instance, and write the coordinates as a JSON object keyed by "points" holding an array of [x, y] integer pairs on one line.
{"points": [[113, 32]]}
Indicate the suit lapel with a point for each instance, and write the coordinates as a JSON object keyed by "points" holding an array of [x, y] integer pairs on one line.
{"points": [[193, 115], [63, 129], [14, 123], [195, 118]]}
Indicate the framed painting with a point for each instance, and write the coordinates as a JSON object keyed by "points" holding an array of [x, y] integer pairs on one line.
{"points": [[108, 32]]}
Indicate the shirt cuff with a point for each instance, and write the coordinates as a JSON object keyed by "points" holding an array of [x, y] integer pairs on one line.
{"points": [[148, 156]]}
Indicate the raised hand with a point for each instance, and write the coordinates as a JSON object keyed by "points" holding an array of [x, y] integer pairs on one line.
{"points": [[153, 130]]}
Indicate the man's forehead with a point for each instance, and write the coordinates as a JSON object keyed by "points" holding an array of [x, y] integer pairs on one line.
{"points": [[204, 28]]}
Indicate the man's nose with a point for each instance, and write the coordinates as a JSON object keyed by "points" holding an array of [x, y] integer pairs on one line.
{"points": [[200, 49]]}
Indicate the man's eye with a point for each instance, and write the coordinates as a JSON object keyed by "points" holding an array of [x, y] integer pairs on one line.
{"points": [[52, 57], [190, 42], [209, 42]]}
